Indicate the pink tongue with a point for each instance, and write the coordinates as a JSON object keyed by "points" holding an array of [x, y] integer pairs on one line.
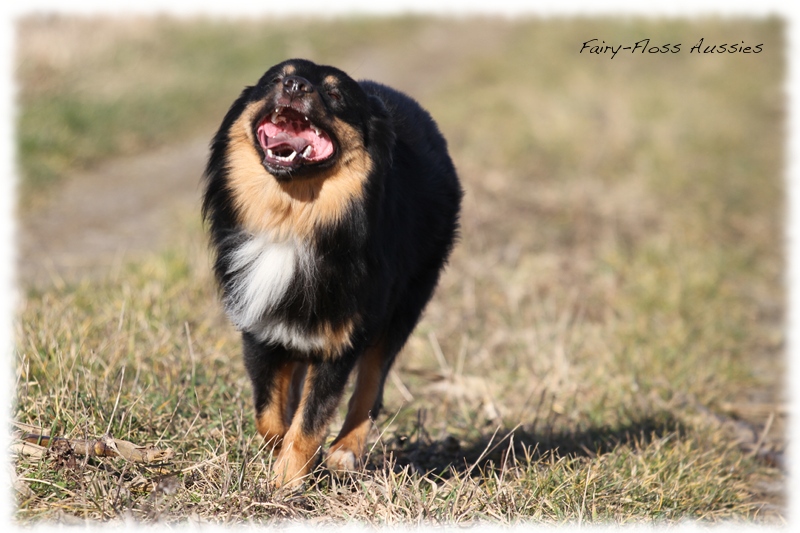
{"points": [[273, 137], [298, 144]]}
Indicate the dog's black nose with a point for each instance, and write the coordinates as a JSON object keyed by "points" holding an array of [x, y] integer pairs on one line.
{"points": [[296, 86]]}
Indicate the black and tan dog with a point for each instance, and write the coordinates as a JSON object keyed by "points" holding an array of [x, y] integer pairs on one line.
{"points": [[332, 206]]}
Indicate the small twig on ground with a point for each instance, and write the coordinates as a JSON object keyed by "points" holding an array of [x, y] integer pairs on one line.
{"points": [[36, 444], [763, 436]]}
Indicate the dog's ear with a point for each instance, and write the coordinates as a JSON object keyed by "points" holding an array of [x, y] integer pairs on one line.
{"points": [[380, 136]]}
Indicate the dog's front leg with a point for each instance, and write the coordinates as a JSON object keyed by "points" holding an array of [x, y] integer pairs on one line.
{"points": [[274, 375], [348, 450], [324, 383]]}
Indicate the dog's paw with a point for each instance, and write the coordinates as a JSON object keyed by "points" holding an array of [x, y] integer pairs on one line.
{"points": [[288, 472], [342, 460]]}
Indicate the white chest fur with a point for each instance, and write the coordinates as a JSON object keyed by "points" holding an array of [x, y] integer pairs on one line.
{"points": [[261, 271]]}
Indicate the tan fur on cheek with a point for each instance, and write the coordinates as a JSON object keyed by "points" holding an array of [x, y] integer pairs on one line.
{"points": [[294, 208]]}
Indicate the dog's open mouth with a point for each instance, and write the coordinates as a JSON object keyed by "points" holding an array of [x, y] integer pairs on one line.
{"points": [[289, 139]]}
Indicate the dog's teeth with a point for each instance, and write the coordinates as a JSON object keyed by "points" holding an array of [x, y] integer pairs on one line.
{"points": [[316, 130], [307, 151], [288, 158], [274, 118]]}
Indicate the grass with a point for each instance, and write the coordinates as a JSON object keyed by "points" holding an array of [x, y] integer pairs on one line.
{"points": [[606, 345]]}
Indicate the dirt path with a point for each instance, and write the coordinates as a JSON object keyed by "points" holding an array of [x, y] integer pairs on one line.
{"points": [[97, 219]]}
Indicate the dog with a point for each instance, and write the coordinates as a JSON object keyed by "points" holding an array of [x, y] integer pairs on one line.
{"points": [[332, 207]]}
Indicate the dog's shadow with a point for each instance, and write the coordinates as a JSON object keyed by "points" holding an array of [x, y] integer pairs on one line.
{"points": [[504, 447]]}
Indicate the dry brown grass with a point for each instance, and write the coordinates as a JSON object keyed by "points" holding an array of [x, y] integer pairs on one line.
{"points": [[606, 345]]}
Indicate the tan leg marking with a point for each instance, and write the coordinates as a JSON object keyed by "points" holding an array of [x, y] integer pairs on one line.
{"points": [[299, 449], [273, 422], [295, 391], [347, 451]]}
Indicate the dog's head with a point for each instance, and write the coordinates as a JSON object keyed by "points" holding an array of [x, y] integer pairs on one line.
{"points": [[305, 118], [296, 150]]}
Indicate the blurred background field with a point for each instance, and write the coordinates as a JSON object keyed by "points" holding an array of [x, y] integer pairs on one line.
{"points": [[607, 344]]}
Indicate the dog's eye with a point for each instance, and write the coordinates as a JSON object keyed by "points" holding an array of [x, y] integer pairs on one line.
{"points": [[334, 94]]}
